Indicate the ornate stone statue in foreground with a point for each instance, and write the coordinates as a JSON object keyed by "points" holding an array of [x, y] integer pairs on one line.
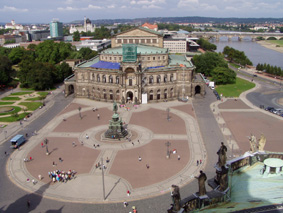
{"points": [[222, 155], [175, 194], [201, 183], [253, 143], [261, 143]]}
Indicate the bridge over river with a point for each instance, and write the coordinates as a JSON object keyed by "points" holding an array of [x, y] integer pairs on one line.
{"points": [[239, 35]]}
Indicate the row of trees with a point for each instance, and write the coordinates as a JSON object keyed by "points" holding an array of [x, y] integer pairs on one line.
{"points": [[236, 56], [39, 66], [273, 70], [206, 45], [213, 65]]}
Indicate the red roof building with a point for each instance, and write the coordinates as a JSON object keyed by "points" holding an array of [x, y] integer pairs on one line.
{"points": [[150, 26]]}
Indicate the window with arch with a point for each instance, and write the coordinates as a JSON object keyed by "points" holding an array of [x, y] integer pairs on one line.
{"points": [[98, 78], [111, 94], [93, 76], [151, 95], [104, 94], [171, 92], [103, 79], [117, 79], [171, 78], [165, 94], [165, 78], [158, 94], [110, 79], [158, 79], [151, 79]]}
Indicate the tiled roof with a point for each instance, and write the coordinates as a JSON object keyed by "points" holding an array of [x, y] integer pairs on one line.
{"points": [[150, 26]]}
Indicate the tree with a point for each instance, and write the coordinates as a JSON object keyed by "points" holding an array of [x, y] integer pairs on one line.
{"points": [[223, 75], [5, 70], [76, 36], [86, 53], [281, 29], [206, 62], [61, 72], [17, 54]]}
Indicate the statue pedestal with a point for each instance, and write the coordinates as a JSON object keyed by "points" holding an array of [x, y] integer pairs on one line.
{"points": [[116, 129]]}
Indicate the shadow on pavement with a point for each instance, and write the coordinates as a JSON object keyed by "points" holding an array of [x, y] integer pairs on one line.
{"points": [[28, 202]]}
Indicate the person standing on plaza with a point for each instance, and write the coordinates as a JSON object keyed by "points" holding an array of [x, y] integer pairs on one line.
{"points": [[98, 116]]}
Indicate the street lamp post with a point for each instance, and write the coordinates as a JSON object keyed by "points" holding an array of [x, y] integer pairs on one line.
{"points": [[168, 152], [80, 112], [168, 116], [103, 185], [46, 146]]}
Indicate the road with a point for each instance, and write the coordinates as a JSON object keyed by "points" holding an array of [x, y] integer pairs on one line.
{"points": [[13, 199]]}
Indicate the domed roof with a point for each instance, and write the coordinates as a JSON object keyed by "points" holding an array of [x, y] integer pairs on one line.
{"points": [[88, 21]]}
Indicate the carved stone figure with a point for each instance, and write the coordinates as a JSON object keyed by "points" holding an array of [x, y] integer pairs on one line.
{"points": [[222, 155], [201, 183], [253, 143], [261, 143], [175, 194], [223, 178]]}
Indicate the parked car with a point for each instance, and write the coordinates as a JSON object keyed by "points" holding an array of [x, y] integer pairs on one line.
{"points": [[269, 109], [279, 111]]}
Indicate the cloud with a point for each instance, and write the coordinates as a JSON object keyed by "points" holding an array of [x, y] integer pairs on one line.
{"points": [[89, 7], [188, 3], [124, 7], [12, 9], [111, 6]]}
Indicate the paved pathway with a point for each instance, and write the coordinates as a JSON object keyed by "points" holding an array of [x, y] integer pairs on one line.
{"points": [[87, 186]]}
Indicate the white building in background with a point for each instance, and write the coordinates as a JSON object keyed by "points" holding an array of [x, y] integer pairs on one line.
{"points": [[14, 26], [87, 27], [95, 45]]}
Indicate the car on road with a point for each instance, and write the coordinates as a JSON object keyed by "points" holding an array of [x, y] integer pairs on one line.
{"points": [[270, 109], [17, 141]]}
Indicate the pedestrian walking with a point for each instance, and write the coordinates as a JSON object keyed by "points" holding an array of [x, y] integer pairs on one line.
{"points": [[197, 162], [179, 157], [98, 116], [5, 153], [74, 143], [39, 177], [140, 159], [53, 163], [82, 143], [200, 161], [28, 203], [42, 144], [30, 158], [60, 159], [86, 136], [147, 166], [133, 143], [128, 192], [125, 204]]}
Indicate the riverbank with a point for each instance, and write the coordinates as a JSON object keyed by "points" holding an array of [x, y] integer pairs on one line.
{"points": [[271, 46]]}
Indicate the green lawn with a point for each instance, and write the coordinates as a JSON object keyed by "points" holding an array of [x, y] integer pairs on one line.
{"points": [[43, 94], [35, 99], [16, 109], [21, 93], [12, 118], [31, 106], [11, 99], [278, 42], [6, 103], [234, 90]]}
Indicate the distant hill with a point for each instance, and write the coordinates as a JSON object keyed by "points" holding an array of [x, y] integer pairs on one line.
{"points": [[189, 19]]}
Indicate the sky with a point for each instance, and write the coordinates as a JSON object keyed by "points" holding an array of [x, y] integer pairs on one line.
{"points": [[39, 11]]}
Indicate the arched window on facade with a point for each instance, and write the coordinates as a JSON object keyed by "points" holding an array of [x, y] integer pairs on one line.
{"points": [[158, 94], [98, 78], [111, 94], [117, 95], [104, 94], [171, 93], [98, 93], [151, 79], [165, 94], [103, 79], [151, 95], [171, 78], [93, 76], [158, 79], [165, 78], [117, 79], [110, 79]]}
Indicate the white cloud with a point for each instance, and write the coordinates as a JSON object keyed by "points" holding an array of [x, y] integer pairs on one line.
{"points": [[111, 6], [12, 9], [123, 7], [67, 8], [152, 6], [188, 3], [89, 7], [209, 7]]}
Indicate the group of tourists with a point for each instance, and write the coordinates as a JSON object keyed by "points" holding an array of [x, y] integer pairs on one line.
{"points": [[62, 176]]}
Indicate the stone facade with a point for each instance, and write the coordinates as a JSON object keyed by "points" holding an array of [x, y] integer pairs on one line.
{"points": [[150, 71]]}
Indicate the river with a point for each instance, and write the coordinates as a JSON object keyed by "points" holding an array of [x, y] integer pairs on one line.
{"points": [[255, 52]]}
